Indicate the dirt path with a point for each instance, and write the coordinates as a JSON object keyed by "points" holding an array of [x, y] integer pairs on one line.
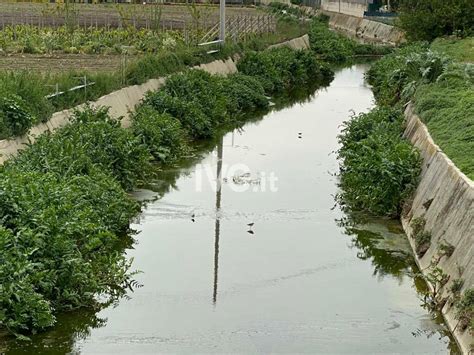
{"points": [[61, 62]]}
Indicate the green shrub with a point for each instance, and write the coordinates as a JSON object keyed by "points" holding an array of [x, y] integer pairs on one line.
{"points": [[161, 133], [191, 117], [465, 310], [15, 118], [337, 48], [244, 94], [60, 250], [379, 169], [31, 88], [442, 93], [92, 141], [456, 287], [396, 77], [261, 65], [429, 19], [202, 102], [282, 68], [422, 243]]}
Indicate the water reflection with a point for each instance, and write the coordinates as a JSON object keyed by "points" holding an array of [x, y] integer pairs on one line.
{"points": [[384, 243], [295, 288], [220, 152], [75, 326], [72, 327]]}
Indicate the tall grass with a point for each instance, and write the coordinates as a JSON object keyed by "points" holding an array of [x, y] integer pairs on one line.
{"points": [[442, 92]]}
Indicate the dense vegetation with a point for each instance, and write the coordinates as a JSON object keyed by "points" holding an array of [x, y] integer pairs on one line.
{"points": [[465, 310], [25, 92], [378, 168], [461, 50], [64, 209], [429, 19], [335, 47], [42, 40], [442, 91], [187, 96], [63, 212], [282, 68]]}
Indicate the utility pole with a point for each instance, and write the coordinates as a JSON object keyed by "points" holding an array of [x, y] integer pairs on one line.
{"points": [[222, 21]]}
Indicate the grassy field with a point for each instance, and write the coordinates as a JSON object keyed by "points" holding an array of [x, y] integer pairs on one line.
{"points": [[439, 80], [461, 50], [447, 105]]}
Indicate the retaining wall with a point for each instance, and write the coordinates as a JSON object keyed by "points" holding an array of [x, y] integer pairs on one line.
{"points": [[295, 43], [445, 199], [123, 101], [352, 8], [367, 30]]}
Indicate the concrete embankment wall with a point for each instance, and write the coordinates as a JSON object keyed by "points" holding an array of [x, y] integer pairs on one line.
{"points": [[352, 8], [295, 43], [123, 101], [366, 30], [445, 199]]}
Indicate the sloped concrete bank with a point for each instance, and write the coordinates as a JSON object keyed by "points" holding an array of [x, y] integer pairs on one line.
{"points": [[366, 30], [123, 101], [444, 198], [353, 8]]}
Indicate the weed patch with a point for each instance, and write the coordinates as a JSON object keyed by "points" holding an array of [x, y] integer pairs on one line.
{"points": [[378, 169]]}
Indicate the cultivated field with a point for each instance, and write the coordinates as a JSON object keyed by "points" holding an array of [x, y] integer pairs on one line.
{"points": [[117, 15]]}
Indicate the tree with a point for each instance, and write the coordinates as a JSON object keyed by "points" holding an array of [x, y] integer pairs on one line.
{"points": [[428, 19]]}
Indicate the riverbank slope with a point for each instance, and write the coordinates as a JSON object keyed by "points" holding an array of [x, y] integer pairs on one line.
{"points": [[444, 199], [123, 101]]}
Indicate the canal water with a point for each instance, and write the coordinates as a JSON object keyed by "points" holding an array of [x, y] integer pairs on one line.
{"points": [[304, 277]]}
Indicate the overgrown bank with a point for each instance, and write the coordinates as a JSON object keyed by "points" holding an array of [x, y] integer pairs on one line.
{"points": [[24, 99], [65, 211], [56, 265], [379, 168]]}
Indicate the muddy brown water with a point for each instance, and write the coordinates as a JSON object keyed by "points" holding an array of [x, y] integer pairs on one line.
{"points": [[299, 280]]}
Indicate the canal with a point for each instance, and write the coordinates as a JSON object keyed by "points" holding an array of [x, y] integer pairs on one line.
{"points": [[259, 258]]}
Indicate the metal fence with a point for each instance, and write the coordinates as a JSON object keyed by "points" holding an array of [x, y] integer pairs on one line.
{"points": [[242, 27]]}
